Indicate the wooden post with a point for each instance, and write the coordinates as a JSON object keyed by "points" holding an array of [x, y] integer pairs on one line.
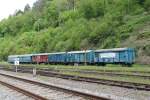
{"points": [[34, 71], [16, 63], [16, 68]]}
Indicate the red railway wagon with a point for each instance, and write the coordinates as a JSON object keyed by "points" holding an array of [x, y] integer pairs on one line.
{"points": [[40, 58]]}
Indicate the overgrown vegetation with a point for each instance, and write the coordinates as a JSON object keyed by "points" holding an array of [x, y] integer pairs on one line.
{"points": [[63, 25]]}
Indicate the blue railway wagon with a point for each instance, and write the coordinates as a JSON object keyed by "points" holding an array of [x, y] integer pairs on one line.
{"points": [[25, 58], [80, 56], [59, 57], [12, 58], [21, 58], [117, 55]]}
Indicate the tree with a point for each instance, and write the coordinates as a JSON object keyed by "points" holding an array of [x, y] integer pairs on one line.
{"points": [[62, 25], [141, 2], [39, 5], [91, 9], [27, 8], [147, 5], [71, 4], [39, 24], [18, 12]]}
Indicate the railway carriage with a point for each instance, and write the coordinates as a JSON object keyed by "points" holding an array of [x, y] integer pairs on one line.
{"points": [[125, 56], [25, 58], [12, 58], [40, 58], [59, 57], [115, 56], [22, 58], [80, 57]]}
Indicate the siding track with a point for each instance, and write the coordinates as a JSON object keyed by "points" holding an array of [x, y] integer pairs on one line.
{"points": [[130, 85], [64, 93]]}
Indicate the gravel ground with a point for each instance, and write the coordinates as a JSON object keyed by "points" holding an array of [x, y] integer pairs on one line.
{"points": [[42, 91], [8, 94], [113, 92]]}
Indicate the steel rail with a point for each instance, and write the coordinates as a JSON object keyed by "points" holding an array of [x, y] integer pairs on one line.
{"points": [[84, 94], [86, 72], [101, 73], [131, 85], [23, 91]]}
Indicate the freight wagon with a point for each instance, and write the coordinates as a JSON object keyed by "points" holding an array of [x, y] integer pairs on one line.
{"points": [[80, 57], [57, 58], [125, 56], [12, 58], [40, 58], [22, 58], [25, 58]]}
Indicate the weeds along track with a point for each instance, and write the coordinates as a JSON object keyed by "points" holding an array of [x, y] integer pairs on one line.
{"points": [[85, 70], [102, 73], [43, 91], [138, 74]]}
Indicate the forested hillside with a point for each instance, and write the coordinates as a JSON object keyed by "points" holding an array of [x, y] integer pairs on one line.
{"points": [[64, 25]]}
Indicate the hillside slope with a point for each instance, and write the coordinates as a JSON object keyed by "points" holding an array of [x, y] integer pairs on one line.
{"points": [[63, 25]]}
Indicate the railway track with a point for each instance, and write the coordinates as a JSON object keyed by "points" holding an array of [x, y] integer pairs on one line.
{"points": [[134, 74], [46, 91], [8, 93], [103, 73], [86, 70], [131, 85], [20, 90]]}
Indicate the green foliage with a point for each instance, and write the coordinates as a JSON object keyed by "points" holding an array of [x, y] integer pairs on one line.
{"points": [[64, 25], [147, 5], [27, 8], [39, 24], [91, 9]]}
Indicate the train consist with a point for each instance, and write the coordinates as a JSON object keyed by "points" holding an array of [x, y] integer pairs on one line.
{"points": [[125, 56]]}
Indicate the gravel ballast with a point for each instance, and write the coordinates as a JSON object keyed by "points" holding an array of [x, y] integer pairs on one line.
{"points": [[8, 94], [112, 92]]}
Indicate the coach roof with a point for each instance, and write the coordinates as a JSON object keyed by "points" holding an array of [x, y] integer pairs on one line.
{"points": [[80, 51], [115, 49]]}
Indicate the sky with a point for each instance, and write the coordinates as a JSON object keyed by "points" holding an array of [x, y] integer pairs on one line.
{"points": [[8, 7]]}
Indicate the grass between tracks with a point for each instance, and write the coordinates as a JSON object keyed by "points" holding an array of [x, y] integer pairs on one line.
{"points": [[108, 67], [116, 78]]}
